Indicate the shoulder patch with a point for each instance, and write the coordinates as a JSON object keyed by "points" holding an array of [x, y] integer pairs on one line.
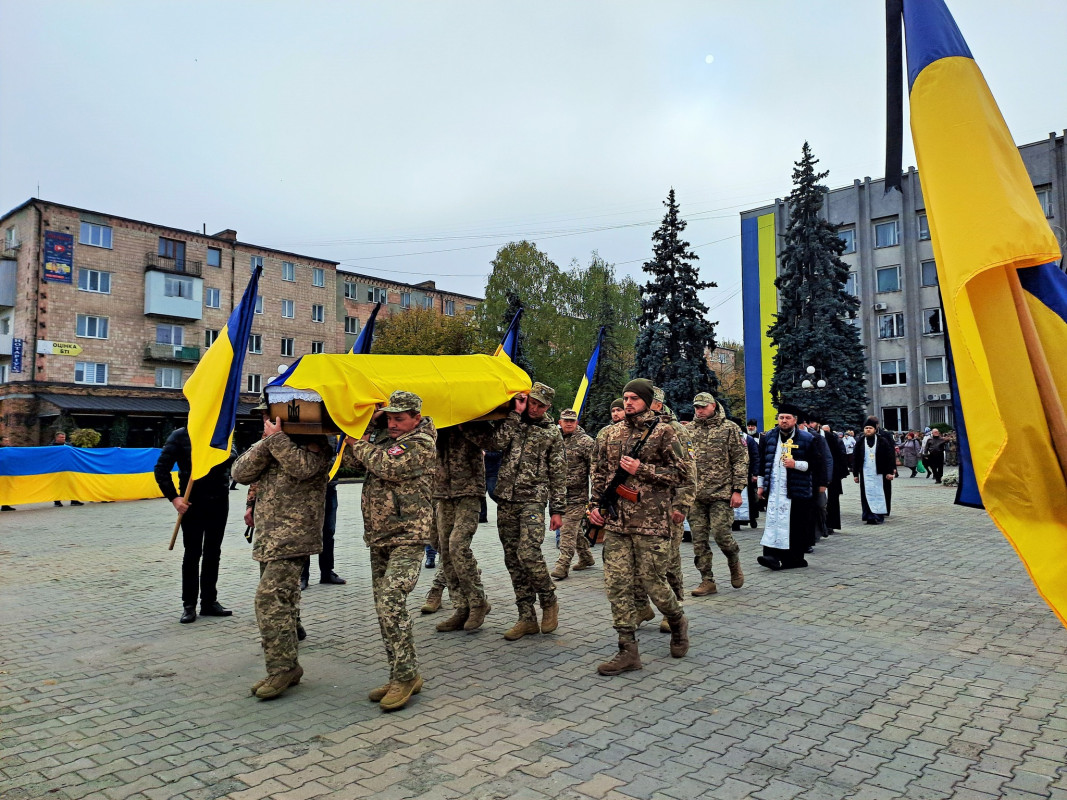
{"points": [[396, 449]]}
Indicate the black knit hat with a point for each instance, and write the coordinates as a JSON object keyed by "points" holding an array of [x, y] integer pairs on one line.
{"points": [[617, 403], [643, 388]]}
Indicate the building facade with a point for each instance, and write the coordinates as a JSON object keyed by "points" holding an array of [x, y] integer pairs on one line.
{"points": [[893, 273]]}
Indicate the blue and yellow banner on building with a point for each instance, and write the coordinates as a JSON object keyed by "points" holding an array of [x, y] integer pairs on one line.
{"points": [[759, 300], [44, 474]]}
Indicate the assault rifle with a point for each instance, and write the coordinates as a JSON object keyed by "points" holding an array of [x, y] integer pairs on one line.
{"points": [[608, 503]]}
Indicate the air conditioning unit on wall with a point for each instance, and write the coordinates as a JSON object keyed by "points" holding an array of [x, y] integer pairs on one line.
{"points": [[946, 397], [880, 306], [930, 397]]}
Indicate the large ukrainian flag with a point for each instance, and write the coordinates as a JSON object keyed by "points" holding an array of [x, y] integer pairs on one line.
{"points": [[43, 474], [1005, 297], [215, 387]]}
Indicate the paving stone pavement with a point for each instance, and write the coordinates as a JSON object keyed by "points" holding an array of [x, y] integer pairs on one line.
{"points": [[914, 660]]}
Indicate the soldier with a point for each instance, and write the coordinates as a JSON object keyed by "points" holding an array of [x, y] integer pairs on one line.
{"points": [[722, 474], [397, 524], [459, 485], [637, 544], [533, 471], [579, 452], [291, 474]]}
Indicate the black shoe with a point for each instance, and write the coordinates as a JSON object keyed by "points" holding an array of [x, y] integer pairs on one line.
{"points": [[769, 563], [332, 577], [752, 524], [57, 504], [482, 520], [301, 634], [303, 584], [736, 526], [188, 615], [810, 549], [430, 562], [7, 508], [76, 503], [214, 610]]}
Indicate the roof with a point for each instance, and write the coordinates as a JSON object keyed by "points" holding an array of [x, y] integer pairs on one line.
{"points": [[422, 287], [127, 405]]}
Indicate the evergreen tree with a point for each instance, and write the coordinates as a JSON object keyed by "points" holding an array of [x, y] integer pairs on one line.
{"points": [[675, 336], [812, 327]]}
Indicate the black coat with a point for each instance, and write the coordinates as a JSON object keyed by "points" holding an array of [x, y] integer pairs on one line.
{"points": [[179, 450], [885, 456], [798, 484]]}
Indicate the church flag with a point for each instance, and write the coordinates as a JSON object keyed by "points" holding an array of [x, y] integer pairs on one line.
{"points": [[365, 339], [587, 379], [510, 343]]}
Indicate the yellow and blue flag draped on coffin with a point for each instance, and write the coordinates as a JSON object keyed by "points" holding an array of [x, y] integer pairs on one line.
{"points": [[1005, 297], [453, 389], [214, 388], [44, 474]]}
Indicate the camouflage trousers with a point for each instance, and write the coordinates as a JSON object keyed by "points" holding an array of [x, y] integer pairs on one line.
{"points": [[631, 559], [674, 569], [572, 537], [521, 527], [394, 572], [714, 518], [278, 611], [457, 522]]}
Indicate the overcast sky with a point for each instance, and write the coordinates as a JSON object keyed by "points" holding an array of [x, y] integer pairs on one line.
{"points": [[412, 139]]}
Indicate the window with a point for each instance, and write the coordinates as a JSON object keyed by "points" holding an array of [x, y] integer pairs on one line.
{"points": [[11, 238], [895, 418], [254, 383], [450, 308], [933, 322], [255, 343], [255, 261], [178, 287], [468, 307], [259, 305], [90, 372], [850, 284], [888, 279], [351, 291], [168, 378], [214, 257], [210, 336], [91, 280], [288, 347], [92, 327], [405, 299], [318, 314], [890, 326], [174, 250], [95, 235], [935, 370], [375, 295], [288, 309], [886, 234], [352, 325], [924, 228], [427, 301], [893, 373], [941, 415], [3, 373], [318, 347], [1043, 197], [289, 272], [318, 276], [170, 334], [848, 235], [5, 326], [929, 270], [213, 298]]}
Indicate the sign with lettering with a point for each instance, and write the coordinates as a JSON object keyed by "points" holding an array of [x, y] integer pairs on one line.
{"points": [[46, 347], [16, 355], [58, 257]]}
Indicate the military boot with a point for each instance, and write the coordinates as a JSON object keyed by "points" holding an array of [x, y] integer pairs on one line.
{"points": [[433, 600], [277, 683], [737, 577], [477, 617], [455, 622], [376, 695], [706, 587], [626, 660], [399, 693], [559, 572], [664, 625], [549, 618], [522, 628], [645, 613], [584, 563], [679, 636]]}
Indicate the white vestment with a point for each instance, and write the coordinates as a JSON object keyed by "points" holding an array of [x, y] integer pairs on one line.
{"points": [[873, 488], [776, 526]]}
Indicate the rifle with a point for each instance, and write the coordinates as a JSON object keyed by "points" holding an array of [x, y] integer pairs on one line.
{"points": [[608, 504]]}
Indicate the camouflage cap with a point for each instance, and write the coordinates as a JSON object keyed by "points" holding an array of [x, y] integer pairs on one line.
{"points": [[657, 395], [263, 404], [703, 399], [404, 401], [568, 413], [542, 393]]}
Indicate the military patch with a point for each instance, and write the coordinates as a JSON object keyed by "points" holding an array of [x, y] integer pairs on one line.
{"points": [[397, 449]]}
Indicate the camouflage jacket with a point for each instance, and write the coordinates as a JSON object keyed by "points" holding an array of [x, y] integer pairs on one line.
{"points": [[398, 489], [579, 453], [290, 494], [663, 468], [460, 463], [533, 468], [685, 493], [721, 457]]}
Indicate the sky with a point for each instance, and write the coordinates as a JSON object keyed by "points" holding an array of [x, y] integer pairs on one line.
{"points": [[411, 140]]}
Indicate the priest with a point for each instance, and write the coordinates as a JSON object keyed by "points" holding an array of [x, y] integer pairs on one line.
{"points": [[874, 464], [789, 460]]}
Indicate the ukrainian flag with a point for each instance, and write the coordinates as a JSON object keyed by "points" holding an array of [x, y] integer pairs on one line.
{"points": [[510, 343], [587, 379], [365, 339], [1005, 297], [43, 474], [215, 387]]}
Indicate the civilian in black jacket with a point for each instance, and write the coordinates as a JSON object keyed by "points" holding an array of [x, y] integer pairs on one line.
{"points": [[841, 471], [203, 523]]}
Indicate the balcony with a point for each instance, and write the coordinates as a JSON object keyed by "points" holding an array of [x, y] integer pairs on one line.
{"points": [[154, 351], [177, 266], [6, 341]]}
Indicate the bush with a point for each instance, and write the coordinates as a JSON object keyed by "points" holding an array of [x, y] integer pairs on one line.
{"points": [[943, 427], [84, 437]]}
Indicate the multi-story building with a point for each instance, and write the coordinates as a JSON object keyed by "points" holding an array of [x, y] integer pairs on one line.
{"points": [[104, 318], [893, 273]]}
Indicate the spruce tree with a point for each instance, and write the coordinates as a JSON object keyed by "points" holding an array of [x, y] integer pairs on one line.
{"points": [[675, 336], [812, 327]]}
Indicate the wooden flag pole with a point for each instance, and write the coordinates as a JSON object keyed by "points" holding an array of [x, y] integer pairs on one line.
{"points": [[178, 524]]}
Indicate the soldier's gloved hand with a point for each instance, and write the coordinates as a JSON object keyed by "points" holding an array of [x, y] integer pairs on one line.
{"points": [[555, 522]]}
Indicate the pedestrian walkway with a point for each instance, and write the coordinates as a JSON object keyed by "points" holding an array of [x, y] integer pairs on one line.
{"points": [[910, 660]]}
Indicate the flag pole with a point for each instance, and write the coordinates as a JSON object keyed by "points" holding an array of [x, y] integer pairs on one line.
{"points": [[178, 524]]}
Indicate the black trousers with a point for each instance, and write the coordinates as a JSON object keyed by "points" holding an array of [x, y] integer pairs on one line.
{"points": [[329, 527], [203, 526]]}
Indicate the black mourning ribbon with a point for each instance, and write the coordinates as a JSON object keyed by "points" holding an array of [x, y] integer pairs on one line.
{"points": [[894, 93]]}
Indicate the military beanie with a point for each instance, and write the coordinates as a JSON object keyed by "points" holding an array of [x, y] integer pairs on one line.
{"points": [[617, 403], [642, 387]]}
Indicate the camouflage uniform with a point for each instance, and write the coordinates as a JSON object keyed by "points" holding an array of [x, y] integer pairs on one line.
{"points": [[398, 522], [291, 477], [722, 467], [578, 452], [533, 471]]}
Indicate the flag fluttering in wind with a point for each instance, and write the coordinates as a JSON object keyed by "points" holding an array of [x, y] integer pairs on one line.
{"points": [[215, 387], [1005, 296], [587, 379], [365, 339], [510, 343]]}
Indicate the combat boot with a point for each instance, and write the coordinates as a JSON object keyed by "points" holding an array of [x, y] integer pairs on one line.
{"points": [[644, 614], [626, 660], [376, 695], [433, 600], [522, 628], [477, 617], [277, 683], [399, 693], [584, 563], [549, 618], [679, 636], [737, 577], [559, 572], [706, 587], [455, 622], [664, 626]]}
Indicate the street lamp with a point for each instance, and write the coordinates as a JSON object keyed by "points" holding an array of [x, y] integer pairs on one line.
{"points": [[807, 384]]}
